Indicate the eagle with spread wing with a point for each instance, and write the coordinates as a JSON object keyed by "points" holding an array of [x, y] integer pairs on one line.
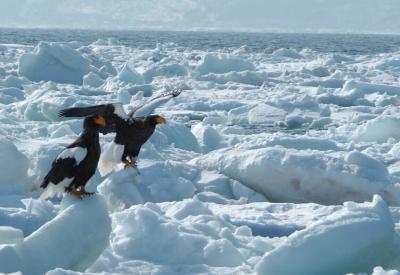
{"points": [[132, 129]]}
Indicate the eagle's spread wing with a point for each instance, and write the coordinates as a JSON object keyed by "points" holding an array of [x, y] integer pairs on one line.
{"points": [[83, 111], [149, 107], [105, 110], [108, 111]]}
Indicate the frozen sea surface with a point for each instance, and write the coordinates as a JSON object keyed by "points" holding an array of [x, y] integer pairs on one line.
{"points": [[281, 156]]}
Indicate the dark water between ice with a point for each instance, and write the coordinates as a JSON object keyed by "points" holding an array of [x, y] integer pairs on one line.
{"points": [[266, 42]]}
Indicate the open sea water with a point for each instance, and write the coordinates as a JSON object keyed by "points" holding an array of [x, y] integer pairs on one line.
{"points": [[259, 42]]}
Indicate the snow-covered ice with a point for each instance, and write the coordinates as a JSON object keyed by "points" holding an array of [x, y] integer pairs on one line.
{"points": [[56, 62], [357, 237], [73, 239], [280, 161]]}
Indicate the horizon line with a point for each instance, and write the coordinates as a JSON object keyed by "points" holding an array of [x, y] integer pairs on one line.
{"points": [[199, 29]]}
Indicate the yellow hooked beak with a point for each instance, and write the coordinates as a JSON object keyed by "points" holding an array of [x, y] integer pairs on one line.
{"points": [[160, 120], [100, 121]]}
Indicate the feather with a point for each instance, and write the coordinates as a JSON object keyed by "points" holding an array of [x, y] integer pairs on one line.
{"points": [[82, 111], [149, 107], [77, 153], [110, 157]]}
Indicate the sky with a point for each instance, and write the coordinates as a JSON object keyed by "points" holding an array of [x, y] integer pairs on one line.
{"points": [[334, 16]]}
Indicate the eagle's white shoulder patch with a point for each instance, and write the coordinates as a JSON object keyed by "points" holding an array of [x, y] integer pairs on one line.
{"points": [[78, 153]]}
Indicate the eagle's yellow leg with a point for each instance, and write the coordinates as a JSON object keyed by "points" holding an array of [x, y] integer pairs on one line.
{"points": [[79, 193]]}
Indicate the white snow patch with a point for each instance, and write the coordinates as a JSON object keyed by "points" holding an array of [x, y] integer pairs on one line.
{"points": [[208, 138], [14, 165], [353, 239], [266, 114], [379, 129], [10, 235], [223, 64], [304, 176], [92, 80], [120, 190], [54, 62], [72, 240], [130, 75], [380, 271]]}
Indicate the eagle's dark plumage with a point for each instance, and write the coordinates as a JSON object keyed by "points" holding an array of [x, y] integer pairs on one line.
{"points": [[77, 163], [132, 129]]}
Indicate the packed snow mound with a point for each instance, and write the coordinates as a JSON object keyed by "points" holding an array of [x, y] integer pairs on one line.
{"points": [[92, 80], [158, 182], [129, 75], [316, 71], [58, 243], [288, 175], [294, 142], [11, 95], [121, 190], [239, 115], [54, 62], [379, 129], [208, 137], [177, 134], [14, 165], [10, 235], [265, 114], [13, 81], [171, 70], [184, 233], [142, 232], [221, 64], [188, 207], [368, 88], [339, 241], [243, 77], [380, 271], [32, 215], [353, 93]]}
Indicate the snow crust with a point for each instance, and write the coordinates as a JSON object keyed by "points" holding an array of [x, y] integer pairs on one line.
{"points": [[14, 169], [223, 64], [272, 163], [339, 241], [73, 239], [56, 62], [298, 176]]}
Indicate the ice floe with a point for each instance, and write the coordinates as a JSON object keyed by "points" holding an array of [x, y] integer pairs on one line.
{"points": [[280, 161]]}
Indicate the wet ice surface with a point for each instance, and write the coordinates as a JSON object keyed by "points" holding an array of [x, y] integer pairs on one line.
{"points": [[281, 151]]}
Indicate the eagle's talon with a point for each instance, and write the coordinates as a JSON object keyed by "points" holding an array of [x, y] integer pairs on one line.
{"points": [[130, 164], [79, 193]]}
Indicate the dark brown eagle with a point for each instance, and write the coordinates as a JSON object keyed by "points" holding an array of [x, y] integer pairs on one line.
{"points": [[77, 163], [132, 129]]}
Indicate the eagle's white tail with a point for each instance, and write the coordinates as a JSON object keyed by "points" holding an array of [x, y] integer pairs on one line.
{"points": [[110, 157], [55, 189]]}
